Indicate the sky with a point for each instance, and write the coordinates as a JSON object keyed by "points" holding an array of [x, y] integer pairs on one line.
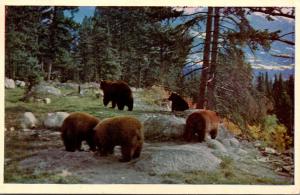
{"points": [[261, 60], [84, 11]]}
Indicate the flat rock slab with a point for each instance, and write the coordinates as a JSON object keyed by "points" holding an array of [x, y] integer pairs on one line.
{"points": [[156, 159]]}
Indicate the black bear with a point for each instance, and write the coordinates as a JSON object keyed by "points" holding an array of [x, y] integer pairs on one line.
{"points": [[178, 103], [118, 92], [77, 127], [201, 123], [125, 131]]}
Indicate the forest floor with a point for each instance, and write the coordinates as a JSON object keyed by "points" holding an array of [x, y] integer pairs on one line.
{"points": [[38, 156]]}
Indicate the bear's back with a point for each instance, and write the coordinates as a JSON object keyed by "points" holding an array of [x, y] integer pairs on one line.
{"points": [[211, 119], [79, 121], [119, 128]]}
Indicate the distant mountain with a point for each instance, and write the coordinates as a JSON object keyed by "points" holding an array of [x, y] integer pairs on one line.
{"points": [[263, 61]]}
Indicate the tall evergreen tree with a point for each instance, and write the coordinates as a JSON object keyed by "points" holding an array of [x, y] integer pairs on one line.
{"points": [[21, 47], [282, 104], [135, 45], [57, 35]]}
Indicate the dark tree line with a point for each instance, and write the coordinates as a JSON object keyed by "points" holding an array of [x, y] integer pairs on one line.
{"points": [[281, 93], [135, 44], [38, 40]]}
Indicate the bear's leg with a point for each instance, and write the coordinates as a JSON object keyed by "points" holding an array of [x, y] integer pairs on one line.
{"points": [[137, 151], [213, 133], [120, 105], [91, 143], [126, 153], [113, 104], [110, 149], [78, 144], [106, 149], [69, 147], [69, 143], [102, 152], [105, 101], [201, 135], [130, 105], [188, 132]]}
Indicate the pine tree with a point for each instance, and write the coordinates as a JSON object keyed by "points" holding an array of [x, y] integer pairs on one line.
{"points": [[21, 48], [57, 35], [267, 84], [283, 107], [87, 64], [260, 85], [134, 45]]}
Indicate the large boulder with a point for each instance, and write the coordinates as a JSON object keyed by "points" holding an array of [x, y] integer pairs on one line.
{"points": [[163, 127], [20, 83], [43, 90], [216, 145], [47, 100], [9, 83], [55, 120], [177, 158], [28, 120]]}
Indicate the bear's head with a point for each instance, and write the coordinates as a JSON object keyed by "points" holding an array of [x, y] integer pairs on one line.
{"points": [[173, 96], [103, 84]]}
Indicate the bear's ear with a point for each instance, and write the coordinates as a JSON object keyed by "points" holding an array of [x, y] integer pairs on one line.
{"points": [[171, 94]]}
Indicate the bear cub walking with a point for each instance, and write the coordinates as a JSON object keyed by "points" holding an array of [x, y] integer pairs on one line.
{"points": [[124, 131]]}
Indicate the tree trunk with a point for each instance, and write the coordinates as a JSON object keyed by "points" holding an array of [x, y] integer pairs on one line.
{"points": [[49, 71], [206, 56], [213, 65]]}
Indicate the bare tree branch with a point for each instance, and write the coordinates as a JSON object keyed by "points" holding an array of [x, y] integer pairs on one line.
{"points": [[283, 40], [194, 63], [274, 11], [286, 34], [201, 68]]}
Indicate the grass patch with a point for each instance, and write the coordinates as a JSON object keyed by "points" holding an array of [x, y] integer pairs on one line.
{"points": [[12, 174], [227, 173], [90, 104], [19, 146]]}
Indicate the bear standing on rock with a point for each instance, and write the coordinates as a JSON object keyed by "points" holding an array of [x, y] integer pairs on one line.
{"points": [[118, 92], [77, 127], [178, 103], [200, 123], [125, 131]]}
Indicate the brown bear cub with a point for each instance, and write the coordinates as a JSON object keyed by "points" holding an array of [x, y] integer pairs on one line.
{"points": [[178, 103], [77, 127], [201, 123], [124, 131], [118, 92]]}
